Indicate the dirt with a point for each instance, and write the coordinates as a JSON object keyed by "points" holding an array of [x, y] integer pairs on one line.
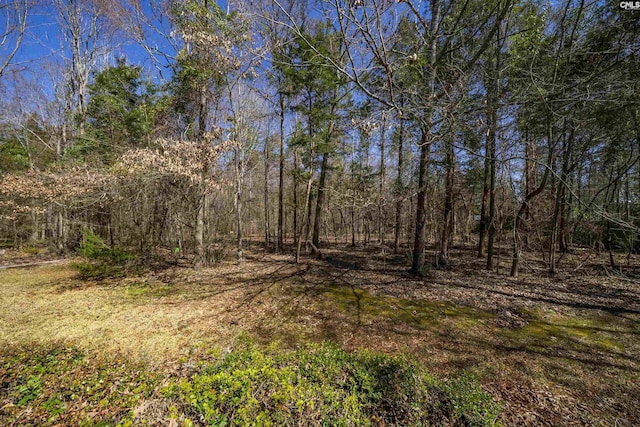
{"points": [[554, 350]]}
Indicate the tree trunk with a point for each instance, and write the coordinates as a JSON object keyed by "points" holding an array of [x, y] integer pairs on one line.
{"points": [[267, 231], [317, 221], [564, 182], [448, 208], [492, 192], [560, 200], [421, 208], [61, 229], [425, 147], [239, 166], [280, 237], [381, 220], [296, 235], [493, 99], [200, 252], [320, 200], [530, 177], [399, 187], [485, 196], [306, 225]]}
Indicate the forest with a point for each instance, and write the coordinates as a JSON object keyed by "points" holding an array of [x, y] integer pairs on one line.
{"points": [[319, 212]]}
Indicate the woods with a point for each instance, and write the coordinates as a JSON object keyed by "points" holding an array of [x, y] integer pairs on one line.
{"points": [[506, 124], [322, 212]]}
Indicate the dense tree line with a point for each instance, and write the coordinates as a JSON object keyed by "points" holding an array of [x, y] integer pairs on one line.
{"points": [[404, 124]]}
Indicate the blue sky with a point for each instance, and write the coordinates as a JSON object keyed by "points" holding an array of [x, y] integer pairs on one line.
{"points": [[43, 42]]}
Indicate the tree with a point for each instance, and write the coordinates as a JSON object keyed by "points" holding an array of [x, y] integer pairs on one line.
{"points": [[202, 71], [121, 112], [310, 78], [13, 23]]}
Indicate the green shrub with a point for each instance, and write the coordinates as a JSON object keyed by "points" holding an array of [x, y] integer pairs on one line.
{"points": [[99, 270], [249, 386], [102, 261], [324, 385], [94, 248]]}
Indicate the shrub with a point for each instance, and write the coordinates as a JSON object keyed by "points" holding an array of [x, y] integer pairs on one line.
{"points": [[314, 385], [324, 385], [30, 250], [94, 248], [102, 261]]}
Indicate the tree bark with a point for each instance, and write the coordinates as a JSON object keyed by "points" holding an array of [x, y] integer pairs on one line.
{"points": [[491, 231], [421, 208], [425, 147], [296, 235], [485, 198], [399, 186], [447, 228], [381, 220], [320, 200], [493, 98], [306, 225], [267, 231], [200, 252], [280, 237]]}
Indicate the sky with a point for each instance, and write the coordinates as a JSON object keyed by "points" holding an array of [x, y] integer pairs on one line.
{"points": [[44, 42]]}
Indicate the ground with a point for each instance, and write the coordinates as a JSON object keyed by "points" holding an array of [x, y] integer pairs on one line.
{"points": [[561, 350]]}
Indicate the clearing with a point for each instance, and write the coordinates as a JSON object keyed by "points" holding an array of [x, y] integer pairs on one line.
{"points": [[560, 350]]}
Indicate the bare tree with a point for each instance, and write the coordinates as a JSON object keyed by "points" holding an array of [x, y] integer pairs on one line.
{"points": [[85, 48], [13, 23]]}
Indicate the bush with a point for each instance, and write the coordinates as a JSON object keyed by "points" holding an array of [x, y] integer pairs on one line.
{"points": [[314, 385], [103, 261], [94, 248], [323, 385], [30, 250]]}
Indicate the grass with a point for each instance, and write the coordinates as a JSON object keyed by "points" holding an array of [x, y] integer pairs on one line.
{"points": [[47, 304], [579, 333], [562, 366]]}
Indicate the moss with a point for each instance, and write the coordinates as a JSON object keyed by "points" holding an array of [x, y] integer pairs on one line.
{"points": [[576, 333], [418, 313], [150, 290]]}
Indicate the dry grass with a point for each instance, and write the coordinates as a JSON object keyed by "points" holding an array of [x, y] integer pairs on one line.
{"points": [[137, 317], [558, 350]]}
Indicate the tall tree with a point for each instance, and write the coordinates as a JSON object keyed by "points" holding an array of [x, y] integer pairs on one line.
{"points": [[203, 68]]}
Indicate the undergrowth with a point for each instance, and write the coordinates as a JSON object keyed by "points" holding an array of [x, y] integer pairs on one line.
{"points": [[57, 385], [102, 261], [252, 386]]}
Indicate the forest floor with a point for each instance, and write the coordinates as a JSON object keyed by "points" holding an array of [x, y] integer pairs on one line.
{"points": [[560, 350]]}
